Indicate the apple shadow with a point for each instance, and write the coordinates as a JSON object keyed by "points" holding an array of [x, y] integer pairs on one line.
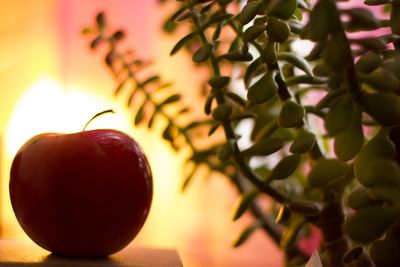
{"points": [[79, 261]]}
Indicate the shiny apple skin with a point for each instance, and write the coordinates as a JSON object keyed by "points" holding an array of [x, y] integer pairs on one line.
{"points": [[85, 194]]}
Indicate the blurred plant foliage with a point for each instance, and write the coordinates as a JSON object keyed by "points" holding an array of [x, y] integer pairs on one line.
{"points": [[325, 126]]}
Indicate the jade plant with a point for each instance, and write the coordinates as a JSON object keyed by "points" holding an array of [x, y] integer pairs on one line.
{"points": [[324, 126]]}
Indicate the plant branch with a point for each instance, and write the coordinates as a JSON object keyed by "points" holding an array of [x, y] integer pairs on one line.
{"points": [[228, 129]]}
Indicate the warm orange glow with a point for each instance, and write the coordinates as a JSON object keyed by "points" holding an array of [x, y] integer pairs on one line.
{"points": [[47, 107]]}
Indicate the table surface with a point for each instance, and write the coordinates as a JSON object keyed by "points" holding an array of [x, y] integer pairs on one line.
{"points": [[26, 253]]}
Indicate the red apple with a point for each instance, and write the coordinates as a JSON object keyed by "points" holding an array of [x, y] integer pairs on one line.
{"points": [[85, 194]]}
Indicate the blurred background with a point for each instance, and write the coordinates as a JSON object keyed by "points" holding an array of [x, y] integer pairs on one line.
{"points": [[50, 81]]}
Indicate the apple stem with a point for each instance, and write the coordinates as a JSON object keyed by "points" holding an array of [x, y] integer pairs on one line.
{"points": [[97, 115]]}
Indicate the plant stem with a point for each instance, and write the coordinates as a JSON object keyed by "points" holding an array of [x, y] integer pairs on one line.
{"points": [[349, 70], [269, 226], [97, 115], [331, 220], [283, 90], [332, 217], [149, 97], [228, 129]]}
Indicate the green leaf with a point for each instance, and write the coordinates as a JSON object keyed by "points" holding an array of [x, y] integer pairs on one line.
{"points": [[253, 32], [243, 203], [361, 19], [186, 15], [285, 167], [319, 23], [188, 179], [202, 54], [246, 233], [236, 56], [236, 98], [235, 44], [326, 171], [338, 117], [151, 120], [264, 89], [251, 69], [169, 26], [334, 53], [117, 36], [196, 123], [316, 51], [269, 54], [87, 30], [149, 80], [171, 99], [264, 129], [348, 142], [284, 9], [217, 32], [120, 86], [277, 30], [182, 42], [296, 61], [368, 62], [305, 79], [381, 171], [183, 111], [291, 115], [305, 207], [376, 2], [378, 219], [140, 114], [222, 112], [385, 192], [264, 147], [321, 70], [381, 80], [213, 128], [226, 151], [132, 96], [395, 18], [206, 8], [177, 13], [371, 43], [392, 64], [261, 20], [379, 147], [219, 82], [208, 104], [303, 143], [249, 11], [167, 133], [383, 107], [101, 20], [217, 19], [330, 98], [360, 197]]}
